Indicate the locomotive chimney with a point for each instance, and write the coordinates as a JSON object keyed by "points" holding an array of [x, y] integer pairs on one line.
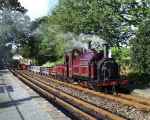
{"points": [[106, 50], [89, 44]]}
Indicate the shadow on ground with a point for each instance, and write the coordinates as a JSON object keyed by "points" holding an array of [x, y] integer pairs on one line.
{"points": [[16, 102]]}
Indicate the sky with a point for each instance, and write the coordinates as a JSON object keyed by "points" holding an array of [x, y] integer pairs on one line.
{"points": [[38, 8]]}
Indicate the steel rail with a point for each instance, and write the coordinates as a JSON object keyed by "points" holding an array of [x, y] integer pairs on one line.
{"points": [[124, 101], [90, 109], [134, 99]]}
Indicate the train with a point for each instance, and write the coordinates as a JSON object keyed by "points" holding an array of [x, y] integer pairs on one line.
{"points": [[85, 66]]}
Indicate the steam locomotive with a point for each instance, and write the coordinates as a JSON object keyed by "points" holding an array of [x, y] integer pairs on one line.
{"points": [[87, 67]]}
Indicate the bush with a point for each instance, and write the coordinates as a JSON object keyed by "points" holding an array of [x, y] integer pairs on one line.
{"points": [[139, 78]]}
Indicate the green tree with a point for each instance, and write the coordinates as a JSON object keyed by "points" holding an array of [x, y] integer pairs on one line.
{"points": [[46, 42], [15, 27], [12, 5], [14, 24], [112, 20], [141, 48], [88, 17]]}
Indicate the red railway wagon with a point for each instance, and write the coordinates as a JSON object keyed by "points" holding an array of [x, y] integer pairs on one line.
{"points": [[53, 71], [60, 70], [23, 66], [50, 70]]}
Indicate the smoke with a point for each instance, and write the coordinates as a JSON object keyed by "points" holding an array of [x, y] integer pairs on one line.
{"points": [[82, 40]]}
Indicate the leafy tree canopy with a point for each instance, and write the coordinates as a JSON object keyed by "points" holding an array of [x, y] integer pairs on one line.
{"points": [[112, 20], [141, 48]]}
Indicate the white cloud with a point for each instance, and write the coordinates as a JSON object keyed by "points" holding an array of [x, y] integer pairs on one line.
{"points": [[36, 8]]}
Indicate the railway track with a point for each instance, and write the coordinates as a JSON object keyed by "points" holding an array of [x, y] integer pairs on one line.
{"points": [[98, 105], [135, 99], [77, 107]]}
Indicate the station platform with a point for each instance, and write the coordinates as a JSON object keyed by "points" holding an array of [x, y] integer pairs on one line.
{"points": [[19, 102]]}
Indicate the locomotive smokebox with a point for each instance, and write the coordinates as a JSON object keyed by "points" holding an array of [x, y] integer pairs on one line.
{"points": [[106, 50]]}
